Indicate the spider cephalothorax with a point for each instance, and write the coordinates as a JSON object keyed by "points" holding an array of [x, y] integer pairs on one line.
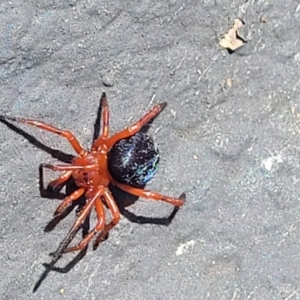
{"points": [[127, 160]]}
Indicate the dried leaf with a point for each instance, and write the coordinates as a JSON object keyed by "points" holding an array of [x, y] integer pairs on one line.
{"points": [[263, 19], [231, 40], [229, 82]]}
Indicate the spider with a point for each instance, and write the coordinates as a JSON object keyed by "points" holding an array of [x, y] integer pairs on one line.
{"points": [[110, 160]]}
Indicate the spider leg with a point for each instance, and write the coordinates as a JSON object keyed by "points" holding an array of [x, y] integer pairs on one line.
{"points": [[99, 227], [164, 221], [136, 127], [105, 123], [151, 195], [105, 117], [61, 179], [64, 133], [54, 186], [70, 167], [55, 183], [79, 221], [68, 200], [115, 218]]}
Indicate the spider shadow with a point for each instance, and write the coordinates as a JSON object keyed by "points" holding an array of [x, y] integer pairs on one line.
{"points": [[122, 198], [57, 154]]}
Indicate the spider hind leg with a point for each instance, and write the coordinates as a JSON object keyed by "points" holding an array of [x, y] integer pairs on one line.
{"points": [[137, 126], [152, 195]]}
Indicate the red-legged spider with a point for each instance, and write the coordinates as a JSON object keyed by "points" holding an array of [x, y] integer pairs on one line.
{"points": [[90, 171]]}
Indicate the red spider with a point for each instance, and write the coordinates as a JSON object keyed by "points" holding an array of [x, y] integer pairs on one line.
{"points": [[90, 172]]}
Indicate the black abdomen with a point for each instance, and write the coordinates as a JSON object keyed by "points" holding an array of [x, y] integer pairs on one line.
{"points": [[134, 161]]}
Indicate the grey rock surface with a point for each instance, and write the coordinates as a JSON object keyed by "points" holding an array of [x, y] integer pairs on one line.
{"points": [[229, 138]]}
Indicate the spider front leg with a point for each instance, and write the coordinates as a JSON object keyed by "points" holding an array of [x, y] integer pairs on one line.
{"points": [[72, 168], [105, 123], [61, 179], [64, 133], [54, 186], [69, 171], [105, 117]]}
